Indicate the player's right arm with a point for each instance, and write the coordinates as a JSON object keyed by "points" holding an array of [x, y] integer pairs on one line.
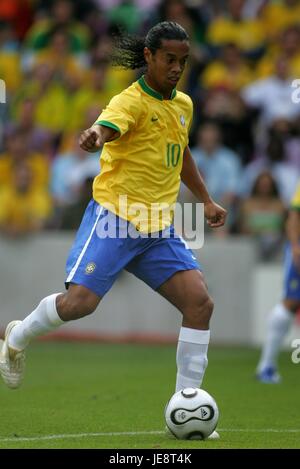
{"points": [[93, 139], [119, 116]]}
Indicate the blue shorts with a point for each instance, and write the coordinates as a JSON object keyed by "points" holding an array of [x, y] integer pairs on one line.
{"points": [[291, 276], [95, 259]]}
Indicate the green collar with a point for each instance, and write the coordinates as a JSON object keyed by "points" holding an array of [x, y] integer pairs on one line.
{"points": [[152, 92]]}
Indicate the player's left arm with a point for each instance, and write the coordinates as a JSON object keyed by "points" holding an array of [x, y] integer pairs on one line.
{"points": [[190, 176]]}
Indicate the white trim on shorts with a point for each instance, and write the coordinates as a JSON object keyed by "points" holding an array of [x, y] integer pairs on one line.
{"points": [[73, 271]]}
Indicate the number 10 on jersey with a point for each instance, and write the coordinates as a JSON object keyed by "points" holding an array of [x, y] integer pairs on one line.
{"points": [[173, 154]]}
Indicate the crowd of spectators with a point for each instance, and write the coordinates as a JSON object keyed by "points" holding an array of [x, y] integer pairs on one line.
{"points": [[54, 60]]}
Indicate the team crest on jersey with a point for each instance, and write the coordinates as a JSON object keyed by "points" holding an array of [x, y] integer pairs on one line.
{"points": [[91, 266], [182, 120]]}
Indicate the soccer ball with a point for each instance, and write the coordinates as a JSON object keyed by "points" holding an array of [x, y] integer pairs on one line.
{"points": [[191, 414]]}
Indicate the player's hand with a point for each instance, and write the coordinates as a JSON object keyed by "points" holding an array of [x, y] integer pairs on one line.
{"points": [[215, 214], [90, 140], [296, 256]]}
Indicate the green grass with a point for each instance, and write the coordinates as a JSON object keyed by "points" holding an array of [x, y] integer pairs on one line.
{"points": [[95, 388]]}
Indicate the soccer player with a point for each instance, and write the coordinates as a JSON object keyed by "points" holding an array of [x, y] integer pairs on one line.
{"points": [[144, 135], [283, 313]]}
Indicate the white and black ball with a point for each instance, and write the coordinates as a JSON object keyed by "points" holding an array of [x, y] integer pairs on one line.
{"points": [[191, 414]]}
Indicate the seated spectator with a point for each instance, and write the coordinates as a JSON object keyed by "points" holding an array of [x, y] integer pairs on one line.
{"points": [[274, 159], [262, 215], [219, 166], [24, 207], [247, 33], [62, 14], [287, 46], [50, 96], [18, 152], [39, 140], [226, 108], [231, 71], [272, 96], [277, 16], [287, 132], [58, 54]]}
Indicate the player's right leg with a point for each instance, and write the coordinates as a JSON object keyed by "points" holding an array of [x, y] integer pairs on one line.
{"points": [[52, 312]]}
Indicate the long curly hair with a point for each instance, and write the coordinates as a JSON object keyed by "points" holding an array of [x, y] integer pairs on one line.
{"points": [[128, 50]]}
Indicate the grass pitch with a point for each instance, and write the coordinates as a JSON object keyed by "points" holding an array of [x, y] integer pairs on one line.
{"points": [[113, 396]]}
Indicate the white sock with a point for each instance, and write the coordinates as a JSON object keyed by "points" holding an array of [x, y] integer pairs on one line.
{"points": [[191, 357], [279, 322], [43, 319]]}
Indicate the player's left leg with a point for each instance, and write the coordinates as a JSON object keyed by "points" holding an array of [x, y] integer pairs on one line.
{"points": [[187, 291], [169, 267], [280, 321]]}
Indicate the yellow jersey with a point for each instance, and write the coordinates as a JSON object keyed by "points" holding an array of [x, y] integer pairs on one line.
{"points": [[141, 169], [295, 204]]}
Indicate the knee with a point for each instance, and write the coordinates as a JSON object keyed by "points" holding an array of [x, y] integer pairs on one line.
{"points": [[209, 306], [74, 306], [205, 307], [199, 311]]}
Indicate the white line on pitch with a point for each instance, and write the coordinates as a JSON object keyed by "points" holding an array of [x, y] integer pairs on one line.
{"points": [[154, 432], [79, 435]]}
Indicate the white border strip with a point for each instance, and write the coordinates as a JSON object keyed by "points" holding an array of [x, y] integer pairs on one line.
{"points": [[72, 273], [154, 432]]}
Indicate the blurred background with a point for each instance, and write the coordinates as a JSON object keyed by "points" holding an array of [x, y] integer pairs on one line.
{"points": [[54, 60]]}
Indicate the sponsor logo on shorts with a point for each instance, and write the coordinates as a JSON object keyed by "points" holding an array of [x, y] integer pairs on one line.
{"points": [[91, 266]]}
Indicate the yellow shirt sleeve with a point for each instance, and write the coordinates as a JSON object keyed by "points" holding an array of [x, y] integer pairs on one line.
{"points": [[121, 114]]}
